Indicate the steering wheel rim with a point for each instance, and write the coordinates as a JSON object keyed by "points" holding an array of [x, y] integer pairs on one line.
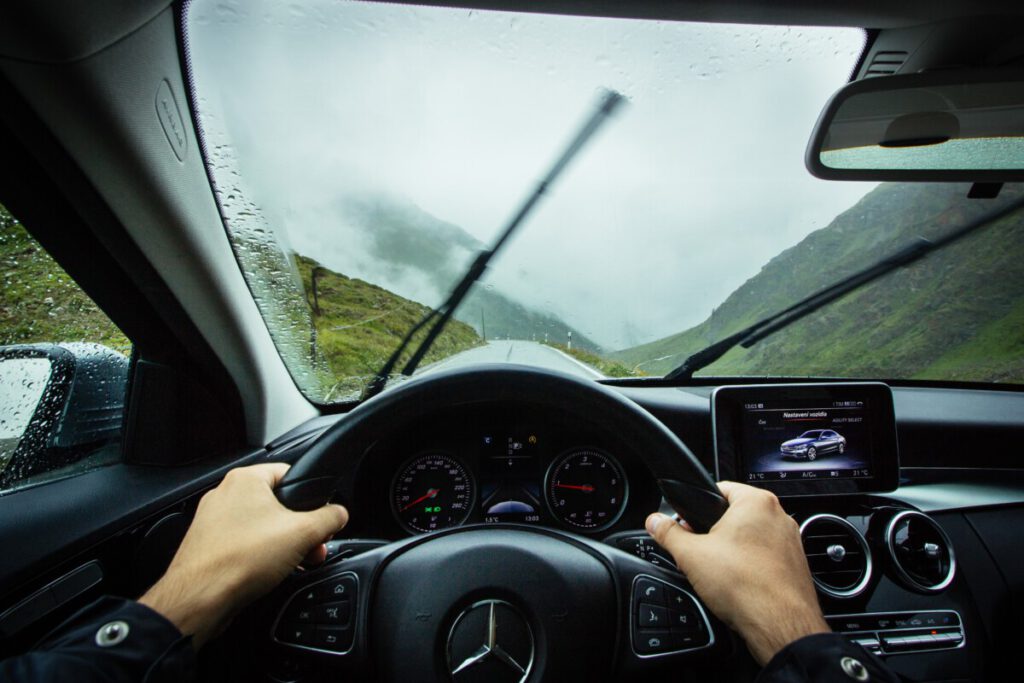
{"points": [[567, 594], [326, 471]]}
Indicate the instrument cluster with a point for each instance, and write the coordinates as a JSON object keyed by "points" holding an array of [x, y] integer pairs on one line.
{"points": [[538, 473], [583, 487]]}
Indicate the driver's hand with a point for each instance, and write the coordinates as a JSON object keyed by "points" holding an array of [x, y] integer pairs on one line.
{"points": [[749, 569], [241, 544]]}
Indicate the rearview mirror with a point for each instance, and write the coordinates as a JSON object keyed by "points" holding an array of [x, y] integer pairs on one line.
{"points": [[964, 126]]}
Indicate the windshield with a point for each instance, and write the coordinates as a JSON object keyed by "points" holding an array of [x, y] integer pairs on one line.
{"points": [[363, 154]]}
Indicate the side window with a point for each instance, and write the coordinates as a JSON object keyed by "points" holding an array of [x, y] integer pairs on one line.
{"points": [[63, 369]]}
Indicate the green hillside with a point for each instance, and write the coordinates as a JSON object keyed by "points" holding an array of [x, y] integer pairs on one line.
{"points": [[358, 325], [958, 314], [40, 303]]}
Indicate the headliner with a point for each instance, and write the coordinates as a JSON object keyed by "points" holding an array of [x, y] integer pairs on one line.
{"points": [[861, 13]]}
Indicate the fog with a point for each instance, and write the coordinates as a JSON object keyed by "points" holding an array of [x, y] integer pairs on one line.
{"points": [[683, 196]]}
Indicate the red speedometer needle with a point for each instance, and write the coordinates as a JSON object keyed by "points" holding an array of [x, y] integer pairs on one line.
{"points": [[429, 494], [584, 487]]}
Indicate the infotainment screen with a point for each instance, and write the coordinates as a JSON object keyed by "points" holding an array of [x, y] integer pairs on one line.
{"points": [[805, 439]]}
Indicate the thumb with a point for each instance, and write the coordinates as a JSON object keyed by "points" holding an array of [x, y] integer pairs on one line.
{"points": [[673, 537], [326, 521]]}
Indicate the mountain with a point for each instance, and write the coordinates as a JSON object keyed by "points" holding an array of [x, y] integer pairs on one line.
{"points": [[422, 257], [957, 314]]}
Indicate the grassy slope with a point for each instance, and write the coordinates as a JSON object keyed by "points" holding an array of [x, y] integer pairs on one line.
{"points": [[954, 315], [40, 303], [361, 324], [609, 368], [994, 352]]}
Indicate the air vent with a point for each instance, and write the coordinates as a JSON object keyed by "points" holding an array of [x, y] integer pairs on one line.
{"points": [[921, 552], [837, 554], [885, 63]]}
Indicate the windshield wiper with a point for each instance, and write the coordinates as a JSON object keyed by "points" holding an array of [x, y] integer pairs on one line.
{"points": [[440, 316], [917, 249]]}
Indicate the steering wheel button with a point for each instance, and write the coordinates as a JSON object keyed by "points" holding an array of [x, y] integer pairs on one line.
{"points": [[689, 640], [294, 633], [685, 620], [679, 600], [651, 642], [333, 638], [649, 591], [651, 617], [299, 612], [342, 588], [334, 613]]}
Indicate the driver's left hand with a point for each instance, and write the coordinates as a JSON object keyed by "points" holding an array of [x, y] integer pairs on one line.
{"points": [[241, 544]]}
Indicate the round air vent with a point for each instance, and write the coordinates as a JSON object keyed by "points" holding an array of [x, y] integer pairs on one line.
{"points": [[921, 552], [837, 554]]}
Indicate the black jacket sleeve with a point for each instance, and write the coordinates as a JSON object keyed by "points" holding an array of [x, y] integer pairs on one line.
{"points": [[112, 640], [824, 658]]}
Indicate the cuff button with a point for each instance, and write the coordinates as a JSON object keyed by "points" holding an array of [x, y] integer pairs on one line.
{"points": [[854, 669], [112, 633]]}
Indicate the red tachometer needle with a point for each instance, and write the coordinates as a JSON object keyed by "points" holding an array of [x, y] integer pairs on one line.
{"points": [[429, 494], [584, 487]]}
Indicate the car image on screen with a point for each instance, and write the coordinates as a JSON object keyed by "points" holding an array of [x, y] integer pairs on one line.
{"points": [[813, 443]]}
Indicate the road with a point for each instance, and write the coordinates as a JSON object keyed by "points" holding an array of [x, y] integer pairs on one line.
{"points": [[516, 351]]}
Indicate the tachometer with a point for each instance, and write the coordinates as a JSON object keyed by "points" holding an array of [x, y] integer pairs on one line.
{"points": [[586, 489], [433, 491]]}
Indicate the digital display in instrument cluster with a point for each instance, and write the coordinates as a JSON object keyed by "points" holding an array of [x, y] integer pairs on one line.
{"points": [[510, 476]]}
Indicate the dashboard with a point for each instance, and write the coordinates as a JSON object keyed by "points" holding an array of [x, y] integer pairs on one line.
{"points": [[902, 565], [930, 574], [503, 464]]}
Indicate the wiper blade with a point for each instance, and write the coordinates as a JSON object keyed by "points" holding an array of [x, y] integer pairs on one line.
{"points": [[917, 249], [440, 316]]}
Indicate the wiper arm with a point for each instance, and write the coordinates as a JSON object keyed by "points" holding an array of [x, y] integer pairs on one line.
{"points": [[443, 313], [917, 249]]}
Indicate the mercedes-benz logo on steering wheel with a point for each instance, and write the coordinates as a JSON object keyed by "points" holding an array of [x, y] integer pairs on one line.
{"points": [[490, 641]]}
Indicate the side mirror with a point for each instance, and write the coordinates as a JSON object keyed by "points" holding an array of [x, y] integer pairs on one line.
{"points": [[961, 126], [59, 403]]}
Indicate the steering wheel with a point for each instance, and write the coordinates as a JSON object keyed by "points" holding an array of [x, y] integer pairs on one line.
{"points": [[496, 602]]}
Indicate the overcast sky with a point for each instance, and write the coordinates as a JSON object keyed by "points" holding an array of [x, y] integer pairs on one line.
{"points": [[686, 194]]}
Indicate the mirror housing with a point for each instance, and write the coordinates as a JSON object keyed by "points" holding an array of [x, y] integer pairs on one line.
{"points": [[79, 407], [942, 126]]}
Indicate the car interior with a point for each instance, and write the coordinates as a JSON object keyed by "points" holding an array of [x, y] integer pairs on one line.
{"points": [[523, 489]]}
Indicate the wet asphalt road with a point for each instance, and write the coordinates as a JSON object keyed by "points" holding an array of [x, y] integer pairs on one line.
{"points": [[519, 352]]}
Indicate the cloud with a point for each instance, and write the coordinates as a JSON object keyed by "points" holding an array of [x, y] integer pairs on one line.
{"points": [[682, 198]]}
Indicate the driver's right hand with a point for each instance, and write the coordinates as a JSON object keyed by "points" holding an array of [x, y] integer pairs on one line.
{"points": [[749, 569]]}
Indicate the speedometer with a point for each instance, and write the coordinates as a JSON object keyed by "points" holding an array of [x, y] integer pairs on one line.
{"points": [[586, 489], [433, 491]]}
